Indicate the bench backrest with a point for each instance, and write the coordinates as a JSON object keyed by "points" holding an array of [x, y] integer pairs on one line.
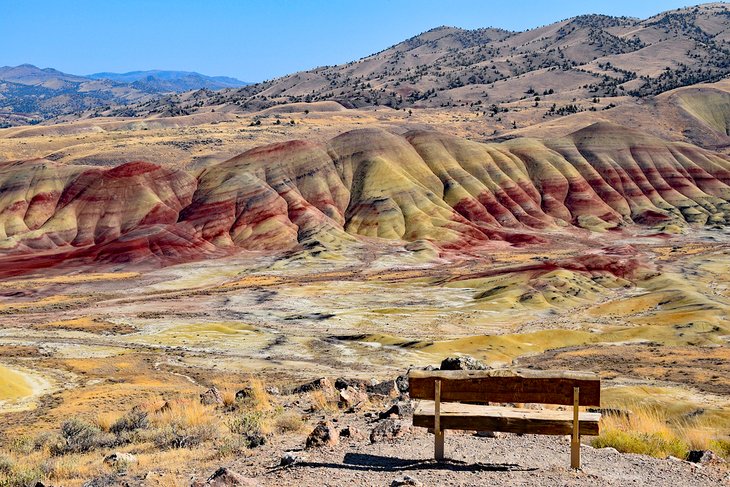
{"points": [[519, 385]]}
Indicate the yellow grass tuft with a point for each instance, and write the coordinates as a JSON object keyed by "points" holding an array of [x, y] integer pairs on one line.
{"points": [[105, 420]]}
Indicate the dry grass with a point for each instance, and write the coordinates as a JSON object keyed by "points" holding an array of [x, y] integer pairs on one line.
{"points": [[650, 430], [105, 420], [321, 401]]}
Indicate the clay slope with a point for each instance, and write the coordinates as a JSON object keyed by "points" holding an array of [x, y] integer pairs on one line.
{"points": [[424, 186]]}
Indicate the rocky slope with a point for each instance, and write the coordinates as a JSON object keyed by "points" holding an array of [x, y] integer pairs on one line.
{"points": [[424, 186], [572, 63]]}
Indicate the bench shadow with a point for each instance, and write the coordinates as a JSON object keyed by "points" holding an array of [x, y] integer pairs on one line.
{"points": [[367, 462]]}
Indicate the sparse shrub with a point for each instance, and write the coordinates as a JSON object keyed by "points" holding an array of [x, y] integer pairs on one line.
{"points": [[78, 436], [105, 421], [22, 445], [6, 464], [289, 421], [248, 423], [183, 424], [134, 420], [21, 476]]}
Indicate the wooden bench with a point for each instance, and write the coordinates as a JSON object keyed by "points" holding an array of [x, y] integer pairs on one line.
{"points": [[451, 400]]}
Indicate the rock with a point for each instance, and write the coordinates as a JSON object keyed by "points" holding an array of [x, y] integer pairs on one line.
{"points": [[402, 383], [211, 397], [244, 393], [288, 458], [255, 440], [273, 390], [386, 388], [351, 398], [322, 435], [398, 409], [463, 362], [488, 434], [343, 383], [119, 459], [704, 456], [352, 433], [321, 383], [224, 477], [388, 429], [405, 480]]}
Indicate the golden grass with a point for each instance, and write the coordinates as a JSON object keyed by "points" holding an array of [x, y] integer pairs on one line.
{"points": [[184, 412], [651, 430], [13, 385], [105, 420]]}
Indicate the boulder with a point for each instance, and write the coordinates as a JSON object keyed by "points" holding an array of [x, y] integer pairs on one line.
{"points": [[343, 383], [351, 398], [324, 434], [211, 397], [119, 459], [704, 456], [352, 433], [288, 458], [321, 383], [224, 477], [463, 362], [388, 429], [386, 388], [402, 383], [398, 410]]}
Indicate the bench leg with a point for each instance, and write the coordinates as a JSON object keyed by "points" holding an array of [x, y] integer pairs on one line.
{"points": [[438, 445], [575, 438]]}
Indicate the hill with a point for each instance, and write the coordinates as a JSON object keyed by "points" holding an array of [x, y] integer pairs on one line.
{"points": [[423, 188], [29, 94], [579, 64], [171, 81]]}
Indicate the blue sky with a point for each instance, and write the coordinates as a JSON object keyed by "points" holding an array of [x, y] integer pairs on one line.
{"points": [[253, 40]]}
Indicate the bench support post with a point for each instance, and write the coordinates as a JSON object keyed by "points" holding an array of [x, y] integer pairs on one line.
{"points": [[575, 440], [437, 432]]}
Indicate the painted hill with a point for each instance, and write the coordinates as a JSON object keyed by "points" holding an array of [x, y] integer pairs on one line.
{"points": [[424, 186]]}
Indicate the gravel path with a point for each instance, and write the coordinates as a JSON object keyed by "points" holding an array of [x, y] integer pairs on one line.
{"points": [[509, 460]]}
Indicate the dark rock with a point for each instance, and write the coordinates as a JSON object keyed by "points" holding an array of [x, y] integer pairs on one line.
{"points": [[398, 409], [211, 397], [287, 459], [704, 456], [321, 383], [323, 435], [402, 383], [343, 383], [244, 393], [387, 388], [255, 440], [388, 429], [463, 362], [405, 480]]}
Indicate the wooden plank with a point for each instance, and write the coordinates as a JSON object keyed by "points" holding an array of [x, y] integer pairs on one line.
{"points": [[575, 440], [518, 385], [472, 417]]}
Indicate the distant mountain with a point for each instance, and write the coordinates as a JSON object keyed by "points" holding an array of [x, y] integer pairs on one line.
{"points": [[167, 81], [29, 94], [568, 65]]}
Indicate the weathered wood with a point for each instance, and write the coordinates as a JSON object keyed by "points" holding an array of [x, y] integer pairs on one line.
{"points": [[575, 440], [519, 385], [437, 431], [472, 417]]}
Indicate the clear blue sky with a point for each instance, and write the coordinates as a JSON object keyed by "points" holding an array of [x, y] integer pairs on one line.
{"points": [[254, 40]]}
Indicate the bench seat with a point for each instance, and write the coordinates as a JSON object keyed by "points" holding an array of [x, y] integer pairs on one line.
{"points": [[474, 417]]}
